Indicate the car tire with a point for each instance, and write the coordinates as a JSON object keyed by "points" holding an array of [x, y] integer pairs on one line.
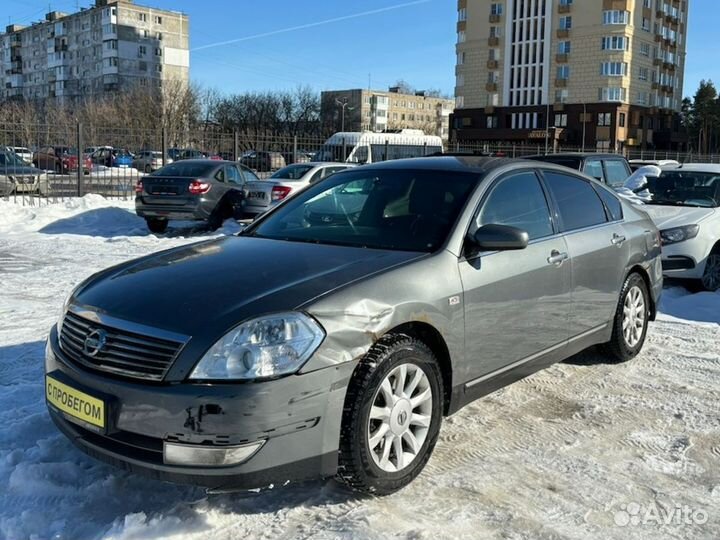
{"points": [[711, 277], [631, 320], [157, 226], [370, 443], [222, 212]]}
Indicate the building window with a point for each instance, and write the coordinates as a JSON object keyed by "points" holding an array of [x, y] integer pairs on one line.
{"points": [[158, 19], [563, 72], [645, 49], [604, 119], [616, 16], [561, 120], [462, 14], [459, 103], [460, 80], [491, 122], [142, 50], [496, 9], [461, 58], [565, 2], [142, 17], [461, 36], [564, 47], [158, 68], [158, 52], [561, 95], [621, 119], [566, 22], [643, 74], [646, 24], [159, 36], [613, 69], [647, 4], [612, 94], [495, 32], [615, 43]]}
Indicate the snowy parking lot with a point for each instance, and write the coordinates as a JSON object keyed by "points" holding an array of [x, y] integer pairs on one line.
{"points": [[584, 449]]}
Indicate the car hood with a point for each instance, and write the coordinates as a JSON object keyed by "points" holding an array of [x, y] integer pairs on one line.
{"points": [[203, 290], [667, 217]]}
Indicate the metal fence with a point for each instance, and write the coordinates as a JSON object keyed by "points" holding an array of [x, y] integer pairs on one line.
{"points": [[82, 141]]}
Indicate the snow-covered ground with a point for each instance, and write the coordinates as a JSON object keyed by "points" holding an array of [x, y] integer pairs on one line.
{"points": [[582, 450]]}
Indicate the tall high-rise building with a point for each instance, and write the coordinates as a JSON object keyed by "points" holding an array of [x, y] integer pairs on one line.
{"points": [[113, 45], [598, 74]]}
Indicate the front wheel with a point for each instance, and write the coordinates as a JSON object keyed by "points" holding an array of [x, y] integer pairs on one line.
{"points": [[392, 416], [630, 324], [711, 277], [157, 226]]}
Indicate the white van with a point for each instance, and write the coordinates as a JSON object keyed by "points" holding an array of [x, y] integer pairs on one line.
{"points": [[371, 147]]}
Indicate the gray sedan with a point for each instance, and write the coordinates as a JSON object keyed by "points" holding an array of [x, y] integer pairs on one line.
{"points": [[335, 347], [199, 189]]}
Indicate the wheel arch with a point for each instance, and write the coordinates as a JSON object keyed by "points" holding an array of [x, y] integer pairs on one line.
{"points": [[637, 269], [431, 337]]}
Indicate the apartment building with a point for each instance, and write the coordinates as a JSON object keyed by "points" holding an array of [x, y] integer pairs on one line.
{"points": [[374, 110], [594, 74], [108, 47]]}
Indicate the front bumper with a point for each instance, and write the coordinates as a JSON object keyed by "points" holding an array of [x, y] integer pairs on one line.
{"points": [[297, 417], [687, 259]]}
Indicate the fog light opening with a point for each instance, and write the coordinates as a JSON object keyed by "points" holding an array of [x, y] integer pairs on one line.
{"points": [[208, 456]]}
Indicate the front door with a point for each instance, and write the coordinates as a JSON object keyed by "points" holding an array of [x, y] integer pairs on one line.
{"points": [[516, 302]]}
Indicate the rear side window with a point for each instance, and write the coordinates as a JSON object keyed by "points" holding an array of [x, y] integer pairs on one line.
{"points": [[612, 204], [578, 204], [518, 201], [616, 172]]}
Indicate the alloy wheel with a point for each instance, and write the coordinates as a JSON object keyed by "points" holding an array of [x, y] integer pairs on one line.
{"points": [[400, 417], [711, 277], [634, 315]]}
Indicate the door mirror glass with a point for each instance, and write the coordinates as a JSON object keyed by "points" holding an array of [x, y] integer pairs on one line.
{"points": [[500, 238]]}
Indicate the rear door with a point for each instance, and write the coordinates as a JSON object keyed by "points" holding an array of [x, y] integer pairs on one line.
{"points": [[517, 303], [597, 246]]}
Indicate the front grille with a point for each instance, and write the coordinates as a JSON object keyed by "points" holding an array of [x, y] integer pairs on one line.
{"points": [[124, 353]]}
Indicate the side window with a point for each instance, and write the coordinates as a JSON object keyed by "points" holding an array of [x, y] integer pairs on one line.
{"points": [[578, 204], [616, 172], [593, 168], [612, 203], [220, 175], [249, 175], [319, 175], [518, 201], [232, 175]]}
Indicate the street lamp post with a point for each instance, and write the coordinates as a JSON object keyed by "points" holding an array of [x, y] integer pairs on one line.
{"points": [[584, 123], [547, 126], [344, 105]]}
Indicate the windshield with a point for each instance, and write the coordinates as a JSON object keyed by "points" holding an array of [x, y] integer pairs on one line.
{"points": [[185, 169], [685, 188], [9, 159], [398, 210], [293, 172]]}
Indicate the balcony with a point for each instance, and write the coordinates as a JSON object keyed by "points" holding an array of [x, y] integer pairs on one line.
{"points": [[495, 18], [667, 89], [563, 33], [657, 62], [564, 8], [492, 64], [491, 87], [658, 38], [668, 65], [561, 83], [493, 41], [561, 58]]}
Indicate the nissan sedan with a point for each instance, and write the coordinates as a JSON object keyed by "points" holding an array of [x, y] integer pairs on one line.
{"points": [[335, 347]]}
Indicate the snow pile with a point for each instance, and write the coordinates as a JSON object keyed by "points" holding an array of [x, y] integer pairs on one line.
{"points": [[559, 455]]}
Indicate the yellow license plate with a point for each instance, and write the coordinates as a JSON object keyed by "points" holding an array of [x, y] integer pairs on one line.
{"points": [[74, 403]]}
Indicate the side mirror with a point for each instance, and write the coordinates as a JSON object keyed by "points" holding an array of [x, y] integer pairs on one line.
{"points": [[500, 238]]}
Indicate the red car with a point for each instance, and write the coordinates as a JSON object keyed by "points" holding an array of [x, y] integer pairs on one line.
{"points": [[60, 159]]}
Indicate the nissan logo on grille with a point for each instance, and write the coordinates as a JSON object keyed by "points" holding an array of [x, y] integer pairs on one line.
{"points": [[95, 342]]}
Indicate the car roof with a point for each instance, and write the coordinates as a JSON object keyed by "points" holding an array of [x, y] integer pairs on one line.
{"points": [[713, 168], [473, 164], [578, 155]]}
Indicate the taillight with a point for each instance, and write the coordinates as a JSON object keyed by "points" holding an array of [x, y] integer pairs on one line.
{"points": [[280, 192], [198, 187], [139, 187]]}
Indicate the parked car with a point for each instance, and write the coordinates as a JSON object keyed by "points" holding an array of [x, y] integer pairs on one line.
{"points": [[292, 157], [610, 169], [296, 350], [174, 153], [685, 206], [149, 161], [635, 164], [189, 153], [23, 153], [261, 195], [61, 159], [200, 190], [264, 161], [109, 156], [16, 176]]}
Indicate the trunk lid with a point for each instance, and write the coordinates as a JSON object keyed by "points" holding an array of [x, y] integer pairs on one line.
{"points": [[167, 190]]}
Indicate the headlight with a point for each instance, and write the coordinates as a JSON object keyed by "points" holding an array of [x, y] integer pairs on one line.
{"points": [[261, 348], [64, 308], [679, 234]]}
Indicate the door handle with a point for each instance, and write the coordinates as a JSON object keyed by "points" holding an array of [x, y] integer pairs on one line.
{"points": [[618, 240], [557, 258]]}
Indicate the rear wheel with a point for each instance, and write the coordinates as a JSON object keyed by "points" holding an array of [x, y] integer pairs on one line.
{"points": [[711, 277], [157, 226], [391, 417], [630, 324]]}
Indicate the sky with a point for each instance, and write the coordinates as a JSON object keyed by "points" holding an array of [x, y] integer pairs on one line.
{"points": [[247, 45]]}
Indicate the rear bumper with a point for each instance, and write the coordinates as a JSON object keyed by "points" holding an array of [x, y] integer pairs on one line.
{"points": [[191, 211]]}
